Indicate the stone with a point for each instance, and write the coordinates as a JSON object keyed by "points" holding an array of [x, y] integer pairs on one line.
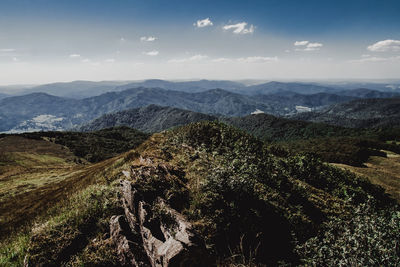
{"points": [[130, 253]]}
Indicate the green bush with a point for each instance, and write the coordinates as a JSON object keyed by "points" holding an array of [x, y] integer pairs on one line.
{"points": [[368, 238]]}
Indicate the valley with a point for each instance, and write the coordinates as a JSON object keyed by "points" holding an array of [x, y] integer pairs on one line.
{"points": [[41, 111], [199, 159]]}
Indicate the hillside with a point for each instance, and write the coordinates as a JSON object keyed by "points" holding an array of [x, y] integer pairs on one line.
{"points": [[365, 113], [233, 200], [368, 93], [148, 119], [277, 87], [30, 174], [329, 143], [15, 111], [3, 95], [39, 169], [271, 128], [93, 146], [44, 112], [184, 86], [41, 111]]}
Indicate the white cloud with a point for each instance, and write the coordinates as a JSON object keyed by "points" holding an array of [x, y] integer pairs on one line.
{"points": [[257, 59], [367, 58], [240, 28], [148, 38], [385, 46], [313, 47], [222, 60], [254, 59], [203, 23], [301, 43], [7, 50], [110, 60], [307, 46], [15, 59], [152, 53], [74, 56], [86, 60], [189, 59]]}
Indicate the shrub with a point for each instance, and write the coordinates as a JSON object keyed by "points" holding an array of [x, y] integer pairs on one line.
{"points": [[368, 238]]}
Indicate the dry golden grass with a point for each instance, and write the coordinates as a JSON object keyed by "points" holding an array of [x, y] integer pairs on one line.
{"points": [[36, 174], [381, 171]]}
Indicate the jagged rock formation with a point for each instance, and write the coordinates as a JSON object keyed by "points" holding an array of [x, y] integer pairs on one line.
{"points": [[153, 233]]}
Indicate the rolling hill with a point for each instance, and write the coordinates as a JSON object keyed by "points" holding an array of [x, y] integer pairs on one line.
{"points": [[222, 190], [277, 87], [40, 111], [149, 119], [365, 113], [185, 86]]}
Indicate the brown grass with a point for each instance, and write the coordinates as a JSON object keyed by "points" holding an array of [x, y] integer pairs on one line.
{"points": [[36, 174], [381, 171]]}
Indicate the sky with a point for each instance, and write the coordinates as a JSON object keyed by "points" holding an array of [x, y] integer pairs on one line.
{"points": [[45, 41]]}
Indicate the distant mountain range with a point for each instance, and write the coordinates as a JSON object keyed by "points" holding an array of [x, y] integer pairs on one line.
{"points": [[3, 95], [185, 86], [77, 89], [85, 89], [148, 119], [278, 87], [41, 111], [368, 93], [363, 113], [47, 112], [155, 118]]}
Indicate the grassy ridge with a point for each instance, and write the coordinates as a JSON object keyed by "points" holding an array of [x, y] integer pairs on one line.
{"points": [[98, 145], [251, 204], [39, 169]]}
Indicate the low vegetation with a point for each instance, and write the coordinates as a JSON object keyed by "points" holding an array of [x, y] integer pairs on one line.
{"points": [[252, 202], [97, 145]]}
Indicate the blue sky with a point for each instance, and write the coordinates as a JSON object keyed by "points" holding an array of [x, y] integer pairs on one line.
{"points": [[49, 40]]}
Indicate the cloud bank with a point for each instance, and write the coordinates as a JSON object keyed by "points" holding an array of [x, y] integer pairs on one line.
{"points": [[240, 28], [385, 46], [307, 46], [148, 38]]}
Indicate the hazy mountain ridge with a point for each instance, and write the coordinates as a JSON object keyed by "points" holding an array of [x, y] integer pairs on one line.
{"points": [[368, 93], [276, 87], [17, 110], [84, 89], [3, 95], [185, 86], [19, 113], [364, 113], [148, 119]]}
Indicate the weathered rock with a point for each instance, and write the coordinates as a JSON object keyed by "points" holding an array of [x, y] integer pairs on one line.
{"points": [[154, 230], [168, 237], [130, 203], [130, 253]]}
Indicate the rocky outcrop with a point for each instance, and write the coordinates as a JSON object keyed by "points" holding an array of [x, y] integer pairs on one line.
{"points": [[128, 243], [168, 237], [152, 233]]}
